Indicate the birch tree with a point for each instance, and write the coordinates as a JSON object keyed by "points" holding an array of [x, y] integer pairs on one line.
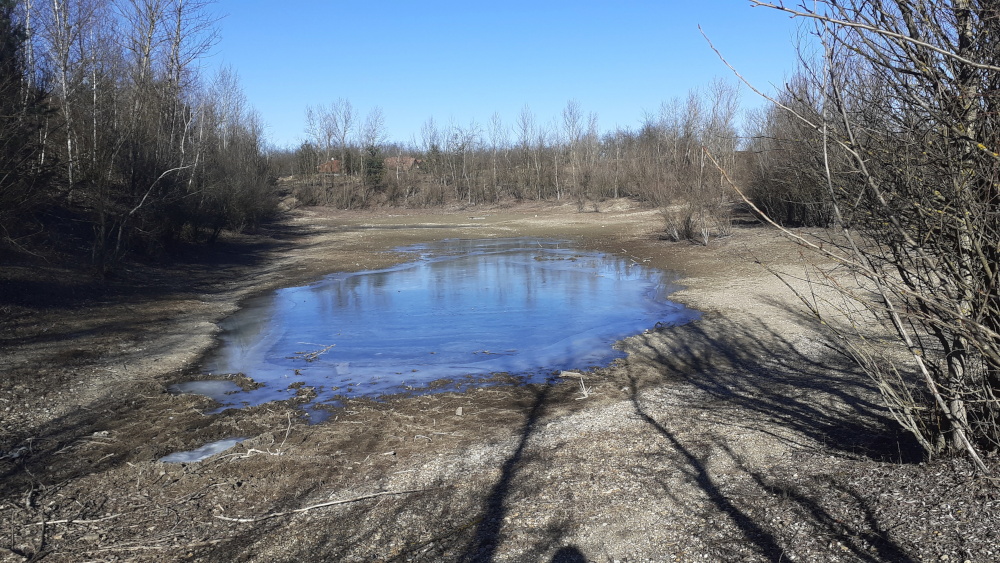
{"points": [[22, 114], [63, 34]]}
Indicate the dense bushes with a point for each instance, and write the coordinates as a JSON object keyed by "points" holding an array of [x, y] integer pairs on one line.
{"points": [[111, 140], [786, 170]]}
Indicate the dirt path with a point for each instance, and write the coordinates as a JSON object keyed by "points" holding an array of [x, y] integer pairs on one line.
{"points": [[741, 437]]}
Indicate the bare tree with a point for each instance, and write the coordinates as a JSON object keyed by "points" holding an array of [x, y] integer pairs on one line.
{"points": [[590, 145], [529, 153], [787, 178], [22, 108], [342, 124], [63, 34], [371, 137], [434, 163], [331, 126], [499, 152], [572, 122], [190, 35], [316, 128], [909, 98], [581, 138], [27, 16], [462, 145]]}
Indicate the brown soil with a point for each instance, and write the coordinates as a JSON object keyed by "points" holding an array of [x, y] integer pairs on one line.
{"points": [[743, 436]]}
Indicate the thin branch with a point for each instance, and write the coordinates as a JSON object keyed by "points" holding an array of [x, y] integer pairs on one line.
{"points": [[320, 505], [153, 185], [876, 30], [69, 521]]}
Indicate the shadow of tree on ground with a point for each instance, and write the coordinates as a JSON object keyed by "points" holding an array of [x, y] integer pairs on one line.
{"points": [[805, 386], [488, 533], [753, 532], [800, 390]]}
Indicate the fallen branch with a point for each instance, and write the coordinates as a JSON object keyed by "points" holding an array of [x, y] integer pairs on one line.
{"points": [[315, 506], [311, 356], [46, 523]]}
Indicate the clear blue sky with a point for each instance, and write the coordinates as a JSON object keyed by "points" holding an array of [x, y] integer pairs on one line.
{"points": [[462, 61]]}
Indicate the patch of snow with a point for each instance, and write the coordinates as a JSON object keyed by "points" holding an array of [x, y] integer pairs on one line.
{"points": [[204, 452]]}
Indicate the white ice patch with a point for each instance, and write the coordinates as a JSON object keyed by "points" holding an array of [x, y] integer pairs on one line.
{"points": [[203, 452]]}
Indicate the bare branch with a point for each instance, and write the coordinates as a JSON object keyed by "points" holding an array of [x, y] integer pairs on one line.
{"points": [[315, 506], [876, 30]]}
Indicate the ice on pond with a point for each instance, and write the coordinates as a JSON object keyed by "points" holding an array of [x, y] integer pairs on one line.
{"points": [[204, 452], [460, 310]]}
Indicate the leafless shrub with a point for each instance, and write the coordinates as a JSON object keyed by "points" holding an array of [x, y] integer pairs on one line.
{"points": [[908, 101], [696, 222]]}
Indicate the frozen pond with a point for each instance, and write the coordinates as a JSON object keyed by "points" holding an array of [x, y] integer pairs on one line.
{"points": [[461, 310]]}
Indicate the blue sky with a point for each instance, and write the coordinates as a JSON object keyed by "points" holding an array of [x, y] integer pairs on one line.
{"points": [[460, 62]]}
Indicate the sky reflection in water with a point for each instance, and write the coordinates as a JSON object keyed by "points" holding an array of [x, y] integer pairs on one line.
{"points": [[461, 308]]}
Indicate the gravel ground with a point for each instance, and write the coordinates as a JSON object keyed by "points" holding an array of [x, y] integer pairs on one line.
{"points": [[744, 436]]}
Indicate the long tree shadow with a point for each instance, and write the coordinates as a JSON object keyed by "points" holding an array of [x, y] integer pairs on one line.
{"points": [[468, 521], [488, 533], [754, 533], [853, 537], [796, 389], [805, 386]]}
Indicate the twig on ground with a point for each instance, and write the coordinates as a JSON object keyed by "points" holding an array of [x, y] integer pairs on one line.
{"points": [[268, 451], [287, 430], [69, 521], [320, 505], [248, 453]]}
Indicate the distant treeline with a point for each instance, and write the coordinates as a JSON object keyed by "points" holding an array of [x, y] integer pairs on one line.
{"points": [[685, 159], [346, 163], [110, 140]]}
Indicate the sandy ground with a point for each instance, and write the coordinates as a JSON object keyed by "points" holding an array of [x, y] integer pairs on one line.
{"points": [[744, 436]]}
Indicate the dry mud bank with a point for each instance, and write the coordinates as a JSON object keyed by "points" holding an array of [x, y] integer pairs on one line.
{"points": [[741, 437]]}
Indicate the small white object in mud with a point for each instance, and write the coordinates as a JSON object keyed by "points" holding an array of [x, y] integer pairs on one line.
{"points": [[203, 452]]}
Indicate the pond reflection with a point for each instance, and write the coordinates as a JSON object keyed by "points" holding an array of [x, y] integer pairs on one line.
{"points": [[460, 309]]}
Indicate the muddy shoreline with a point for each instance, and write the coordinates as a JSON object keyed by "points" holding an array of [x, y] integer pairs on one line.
{"points": [[743, 436]]}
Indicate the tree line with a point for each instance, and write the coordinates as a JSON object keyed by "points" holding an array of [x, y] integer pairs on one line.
{"points": [[664, 161], [112, 140]]}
